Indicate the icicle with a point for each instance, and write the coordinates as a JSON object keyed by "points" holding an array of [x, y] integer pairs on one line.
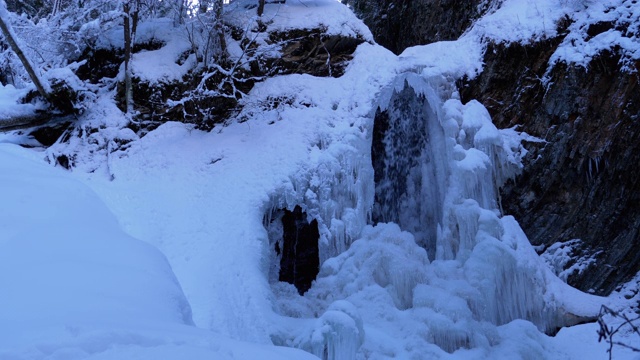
{"points": [[336, 335], [336, 190]]}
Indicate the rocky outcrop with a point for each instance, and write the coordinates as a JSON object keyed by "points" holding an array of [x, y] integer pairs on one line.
{"points": [[398, 24], [207, 97], [312, 51], [581, 183]]}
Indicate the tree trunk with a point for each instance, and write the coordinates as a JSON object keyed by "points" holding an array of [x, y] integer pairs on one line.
{"points": [[9, 35], [55, 7], [260, 7], [219, 29], [180, 13], [210, 14], [131, 11]]}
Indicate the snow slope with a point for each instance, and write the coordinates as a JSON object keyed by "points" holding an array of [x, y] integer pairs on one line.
{"points": [[75, 286], [201, 196], [10, 106]]}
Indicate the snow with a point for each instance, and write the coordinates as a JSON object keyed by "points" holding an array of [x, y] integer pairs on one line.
{"points": [[526, 22], [10, 107], [579, 48], [454, 278], [211, 227], [160, 65], [330, 15], [75, 285], [521, 20], [452, 58]]}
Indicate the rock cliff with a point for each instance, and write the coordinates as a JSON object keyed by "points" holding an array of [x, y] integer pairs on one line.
{"points": [[398, 24]]}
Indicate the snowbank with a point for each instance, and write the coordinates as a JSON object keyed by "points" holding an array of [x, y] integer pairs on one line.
{"points": [[61, 244], [11, 110], [75, 286], [331, 15]]}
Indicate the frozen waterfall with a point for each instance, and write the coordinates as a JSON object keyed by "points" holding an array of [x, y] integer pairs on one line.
{"points": [[410, 173], [443, 270], [438, 166], [436, 161]]}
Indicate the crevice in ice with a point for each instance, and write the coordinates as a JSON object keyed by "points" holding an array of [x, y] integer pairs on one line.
{"points": [[299, 263], [294, 242]]}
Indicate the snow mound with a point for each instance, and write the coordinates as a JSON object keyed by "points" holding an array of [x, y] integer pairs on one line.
{"points": [[165, 64], [170, 62], [75, 286], [337, 334], [60, 243], [521, 20], [11, 109], [331, 15]]}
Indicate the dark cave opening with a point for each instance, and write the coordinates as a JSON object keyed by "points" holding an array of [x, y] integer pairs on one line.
{"points": [[300, 261]]}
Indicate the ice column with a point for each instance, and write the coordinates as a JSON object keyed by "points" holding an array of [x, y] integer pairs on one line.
{"points": [[438, 165], [410, 172]]}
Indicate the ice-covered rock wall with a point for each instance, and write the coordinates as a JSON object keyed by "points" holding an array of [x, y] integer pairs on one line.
{"points": [[335, 189]]}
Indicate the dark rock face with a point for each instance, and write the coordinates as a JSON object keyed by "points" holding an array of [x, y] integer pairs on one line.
{"points": [[583, 182], [210, 97], [399, 24], [300, 260], [311, 51], [100, 63]]}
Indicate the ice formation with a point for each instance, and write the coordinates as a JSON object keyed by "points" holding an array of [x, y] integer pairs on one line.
{"points": [[438, 166], [336, 189], [337, 334]]}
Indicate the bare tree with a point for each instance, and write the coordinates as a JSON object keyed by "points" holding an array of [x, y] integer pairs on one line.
{"points": [[260, 7], [607, 332], [10, 36], [207, 33], [131, 10], [55, 6]]}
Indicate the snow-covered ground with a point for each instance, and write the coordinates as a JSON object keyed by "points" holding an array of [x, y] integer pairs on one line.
{"points": [[75, 286], [77, 283], [11, 108]]}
